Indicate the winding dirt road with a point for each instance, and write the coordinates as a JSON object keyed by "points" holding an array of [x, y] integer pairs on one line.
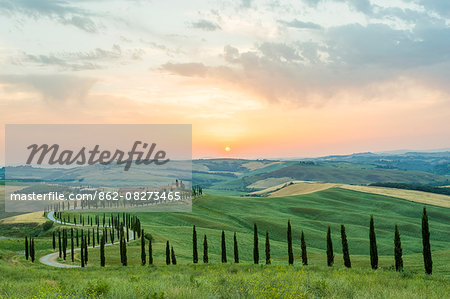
{"points": [[51, 259]]}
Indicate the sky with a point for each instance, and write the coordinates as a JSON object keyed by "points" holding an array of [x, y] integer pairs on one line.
{"points": [[268, 79]]}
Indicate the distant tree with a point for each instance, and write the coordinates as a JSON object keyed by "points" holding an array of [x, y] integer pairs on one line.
{"points": [[174, 260], [77, 239], [398, 250], [150, 252], [64, 244], [53, 240], [345, 253], [93, 238], [373, 245], [428, 262], [267, 248], [86, 257], [224, 248], [98, 235], [59, 244], [26, 248], [205, 250], [330, 253], [236, 250], [255, 244], [88, 237], [303, 247], [194, 244], [289, 240], [143, 256], [102, 251], [167, 253]]}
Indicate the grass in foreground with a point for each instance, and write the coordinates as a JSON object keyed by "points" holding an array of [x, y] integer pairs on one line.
{"points": [[217, 281]]}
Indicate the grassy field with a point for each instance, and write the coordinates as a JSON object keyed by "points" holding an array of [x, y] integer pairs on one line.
{"points": [[213, 213], [309, 212]]}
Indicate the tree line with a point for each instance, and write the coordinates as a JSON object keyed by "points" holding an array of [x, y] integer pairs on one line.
{"points": [[121, 227]]}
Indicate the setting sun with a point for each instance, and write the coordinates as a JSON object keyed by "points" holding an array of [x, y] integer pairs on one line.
{"points": [[227, 148]]}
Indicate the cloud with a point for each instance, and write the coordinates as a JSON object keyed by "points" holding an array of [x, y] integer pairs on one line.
{"points": [[300, 25], [58, 10], [84, 60], [206, 25], [50, 87], [192, 69]]}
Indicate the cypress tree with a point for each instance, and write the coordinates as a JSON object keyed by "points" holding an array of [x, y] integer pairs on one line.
{"points": [[59, 244], [428, 262], [125, 259], [267, 248], [373, 245], [167, 253], [398, 250], [330, 253], [194, 246], [174, 260], [143, 256], [236, 251], [72, 245], [54, 241], [32, 252], [345, 252], [98, 235], [102, 251], [77, 239], [82, 250], [88, 237], [150, 252], [64, 244], [205, 250], [255, 244], [26, 248], [86, 250], [93, 238], [224, 248], [303, 247], [289, 240]]}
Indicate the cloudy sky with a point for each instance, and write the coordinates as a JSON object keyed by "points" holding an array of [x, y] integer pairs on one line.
{"points": [[266, 78]]}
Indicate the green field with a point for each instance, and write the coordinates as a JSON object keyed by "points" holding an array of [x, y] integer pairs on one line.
{"points": [[311, 213]]}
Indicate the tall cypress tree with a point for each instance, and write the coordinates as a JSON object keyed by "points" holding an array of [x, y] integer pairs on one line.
{"points": [[102, 251], [224, 248], [194, 246], [428, 262], [267, 248], [143, 256], [98, 235], [205, 250], [77, 239], [82, 250], [330, 253], [255, 244], [289, 240], [373, 245], [72, 245], [93, 238], [236, 250], [303, 247], [54, 240], [59, 244], [150, 252], [86, 257], [64, 244], [32, 252], [345, 252], [398, 250], [174, 260], [167, 253], [125, 258], [26, 248]]}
